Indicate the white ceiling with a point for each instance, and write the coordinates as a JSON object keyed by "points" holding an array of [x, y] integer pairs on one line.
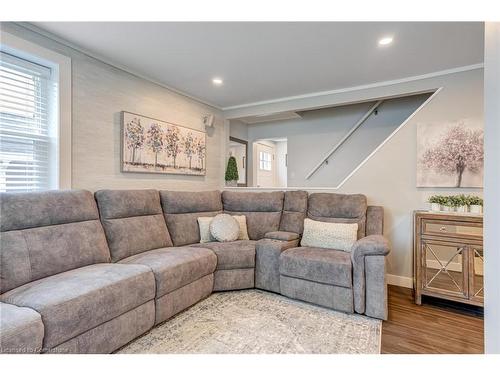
{"points": [[265, 61]]}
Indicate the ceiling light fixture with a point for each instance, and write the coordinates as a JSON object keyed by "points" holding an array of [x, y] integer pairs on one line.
{"points": [[385, 41], [217, 81]]}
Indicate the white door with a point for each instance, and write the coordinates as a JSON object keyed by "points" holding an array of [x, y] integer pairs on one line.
{"points": [[265, 165]]}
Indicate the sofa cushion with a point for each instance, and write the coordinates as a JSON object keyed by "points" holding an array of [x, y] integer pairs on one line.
{"points": [[232, 255], [294, 211], [21, 330], [175, 267], [339, 208], [133, 221], [262, 210], [325, 266], [75, 301], [68, 237], [182, 210], [31, 210]]}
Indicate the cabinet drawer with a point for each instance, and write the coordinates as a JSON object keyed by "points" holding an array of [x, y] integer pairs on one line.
{"points": [[452, 229]]}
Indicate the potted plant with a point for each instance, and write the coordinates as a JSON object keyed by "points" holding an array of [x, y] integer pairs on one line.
{"points": [[476, 205], [436, 201], [232, 172], [449, 203], [462, 203]]}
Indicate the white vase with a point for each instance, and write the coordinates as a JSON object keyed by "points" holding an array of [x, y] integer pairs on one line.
{"points": [[448, 208], [232, 183], [462, 209], [476, 209], [435, 207]]}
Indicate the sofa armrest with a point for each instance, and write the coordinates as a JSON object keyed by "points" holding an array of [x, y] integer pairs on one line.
{"points": [[374, 244], [267, 262], [368, 270], [282, 236]]}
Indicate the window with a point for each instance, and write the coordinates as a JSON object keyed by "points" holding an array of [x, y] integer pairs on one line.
{"points": [[265, 161], [28, 140]]}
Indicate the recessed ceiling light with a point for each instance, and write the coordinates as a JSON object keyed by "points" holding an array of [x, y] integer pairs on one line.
{"points": [[385, 41], [217, 81]]}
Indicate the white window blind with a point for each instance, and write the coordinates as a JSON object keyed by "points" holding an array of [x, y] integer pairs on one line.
{"points": [[26, 137]]}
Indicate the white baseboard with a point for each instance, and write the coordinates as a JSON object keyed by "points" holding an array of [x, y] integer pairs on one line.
{"points": [[406, 282]]}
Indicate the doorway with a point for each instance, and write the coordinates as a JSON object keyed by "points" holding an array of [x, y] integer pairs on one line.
{"points": [[269, 163], [238, 148]]}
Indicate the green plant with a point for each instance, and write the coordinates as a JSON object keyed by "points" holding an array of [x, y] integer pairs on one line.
{"points": [[475, 201], [231, 170], [462, 200], [439, 199]]}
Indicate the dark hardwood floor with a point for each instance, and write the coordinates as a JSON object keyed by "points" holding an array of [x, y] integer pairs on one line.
{"points": [[429, 328]]}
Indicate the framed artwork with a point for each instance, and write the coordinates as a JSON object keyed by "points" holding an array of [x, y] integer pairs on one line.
{"points": [[450, 154], [149, 145]]}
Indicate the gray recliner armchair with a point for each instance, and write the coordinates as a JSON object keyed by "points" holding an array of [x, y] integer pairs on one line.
{"points": [[352, 281]]}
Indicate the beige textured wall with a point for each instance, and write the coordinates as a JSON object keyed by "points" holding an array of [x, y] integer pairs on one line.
{"points": [[100, 92]]}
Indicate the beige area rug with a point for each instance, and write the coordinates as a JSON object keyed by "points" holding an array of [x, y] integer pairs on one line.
{"points": [[254, 321]]}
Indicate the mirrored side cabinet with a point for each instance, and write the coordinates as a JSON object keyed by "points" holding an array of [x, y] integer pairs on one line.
{"points": [[448, 257]]}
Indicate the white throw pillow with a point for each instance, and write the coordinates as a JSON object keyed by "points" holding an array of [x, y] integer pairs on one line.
{"points": [[206, 236], [338, 236], [224, 228], [204, 225]]}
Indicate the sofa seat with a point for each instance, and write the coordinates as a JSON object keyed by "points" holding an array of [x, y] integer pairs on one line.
{"points": [[235, 264], [74, 302], [21, 330], [232, 255], [175, 267], [326, 266]]}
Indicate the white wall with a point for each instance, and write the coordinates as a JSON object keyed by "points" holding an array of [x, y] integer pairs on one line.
{"points": [[388, 178], [99, 93], [491, 188], [281, 168], [313, 135], [239, 130]]}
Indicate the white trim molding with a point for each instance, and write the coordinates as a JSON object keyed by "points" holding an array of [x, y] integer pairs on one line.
{"points": [[61, 66], [358, 88], [405, 282]]}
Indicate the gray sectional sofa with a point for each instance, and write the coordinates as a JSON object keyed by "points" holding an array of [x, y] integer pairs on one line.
{"points": [[84, 273]]}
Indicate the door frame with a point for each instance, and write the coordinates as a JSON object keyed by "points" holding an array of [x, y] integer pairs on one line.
{"points": [[245, 162]]}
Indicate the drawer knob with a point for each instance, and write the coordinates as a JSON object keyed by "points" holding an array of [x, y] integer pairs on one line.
{"points": [[442, 229]]}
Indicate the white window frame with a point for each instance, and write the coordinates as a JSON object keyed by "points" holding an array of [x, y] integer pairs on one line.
{"points": [[265, 164], [61, 69]]}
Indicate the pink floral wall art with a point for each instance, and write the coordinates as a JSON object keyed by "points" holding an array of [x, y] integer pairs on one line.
{"points": [[153, 146], [450, 155]]}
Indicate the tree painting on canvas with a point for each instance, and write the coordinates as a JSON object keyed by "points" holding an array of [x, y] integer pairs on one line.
{"points": [[450, 155], [155, 146]]}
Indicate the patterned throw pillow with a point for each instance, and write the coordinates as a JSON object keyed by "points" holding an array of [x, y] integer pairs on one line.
{"points": [[206, 236], [224, 228], [338, 236]]}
